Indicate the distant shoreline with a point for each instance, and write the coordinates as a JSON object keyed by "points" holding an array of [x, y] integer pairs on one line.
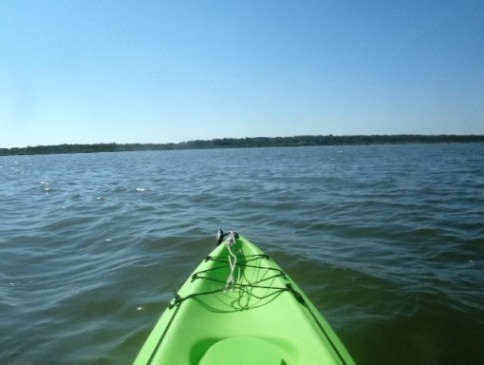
{"points": [[328, 140]]}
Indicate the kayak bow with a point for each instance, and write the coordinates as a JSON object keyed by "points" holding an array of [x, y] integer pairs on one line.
{"points": [[239, 307]]}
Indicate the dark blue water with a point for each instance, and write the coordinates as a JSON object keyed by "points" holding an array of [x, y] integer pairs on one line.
{"points": [[388, 242]]}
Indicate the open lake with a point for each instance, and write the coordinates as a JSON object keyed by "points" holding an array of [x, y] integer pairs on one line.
{"points": [[388, 242]]}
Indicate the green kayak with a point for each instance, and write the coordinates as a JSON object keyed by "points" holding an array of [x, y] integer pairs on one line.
{"points": [[239, 307]]}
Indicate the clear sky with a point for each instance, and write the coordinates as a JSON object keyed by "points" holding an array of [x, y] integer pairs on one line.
{"points": [[91, 71]]}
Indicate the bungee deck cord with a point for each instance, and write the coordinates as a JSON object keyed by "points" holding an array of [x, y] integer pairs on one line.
{"points": [[233, 262]]}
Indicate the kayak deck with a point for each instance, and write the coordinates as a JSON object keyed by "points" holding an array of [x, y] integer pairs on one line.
{"points": [[261, 317]]}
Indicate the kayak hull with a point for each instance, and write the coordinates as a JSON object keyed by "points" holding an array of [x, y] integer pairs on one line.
{"points": [[261, 316]]}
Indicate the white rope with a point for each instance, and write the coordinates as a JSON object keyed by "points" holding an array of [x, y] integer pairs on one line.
{"points": [[232, 262]]}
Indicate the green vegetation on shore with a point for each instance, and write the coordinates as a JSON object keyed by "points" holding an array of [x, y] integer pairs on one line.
{"points": [[243, 143]]}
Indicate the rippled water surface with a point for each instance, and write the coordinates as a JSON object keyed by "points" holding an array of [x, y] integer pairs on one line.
{"points": [[388, 242]]}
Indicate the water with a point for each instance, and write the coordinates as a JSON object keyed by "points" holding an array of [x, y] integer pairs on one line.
{"points": [[388, 242]]}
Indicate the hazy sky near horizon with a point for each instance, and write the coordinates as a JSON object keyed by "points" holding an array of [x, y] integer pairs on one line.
{"points": [[92, 71]]}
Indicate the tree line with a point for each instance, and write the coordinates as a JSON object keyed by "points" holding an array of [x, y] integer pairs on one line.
{"points": [[327, 140]]}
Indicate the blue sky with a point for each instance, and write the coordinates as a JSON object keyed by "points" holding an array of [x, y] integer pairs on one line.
{"points": [[91, 71]]}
